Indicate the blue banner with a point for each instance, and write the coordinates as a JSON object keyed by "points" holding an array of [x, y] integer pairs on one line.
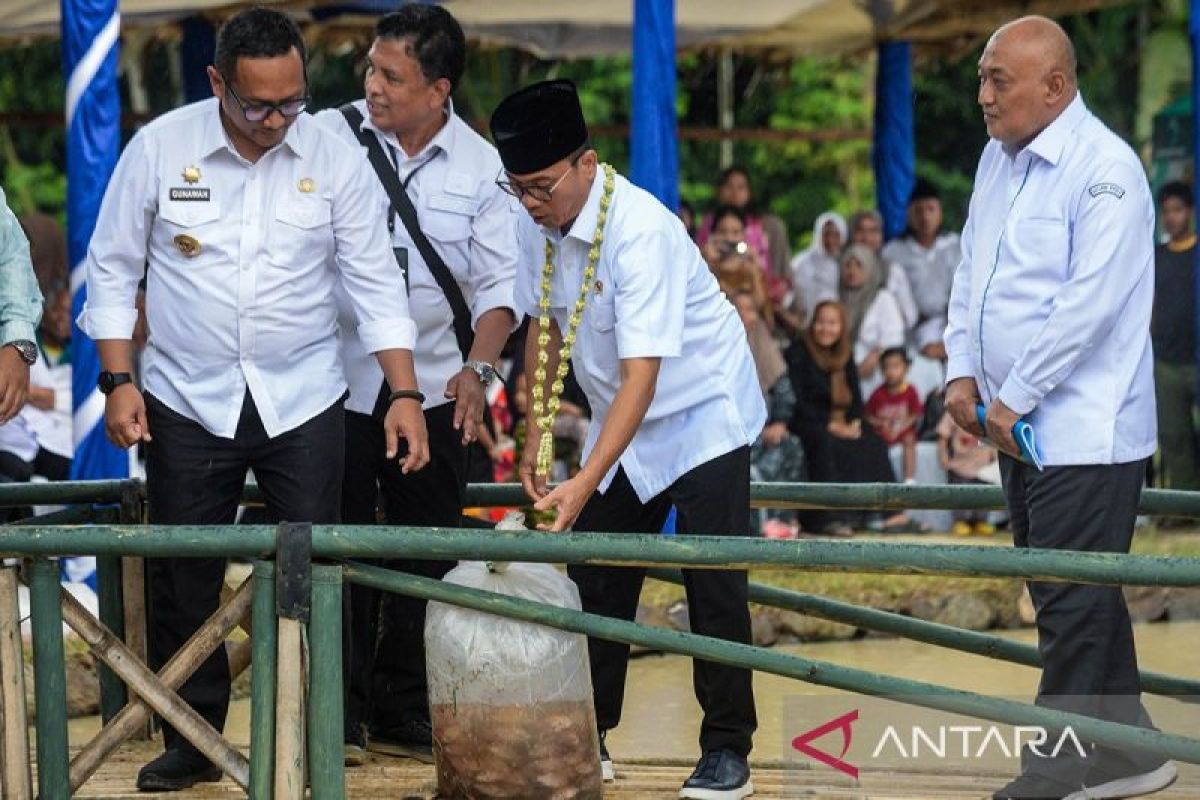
{"points": [[654, 164], [90, 37], [894, 157]]}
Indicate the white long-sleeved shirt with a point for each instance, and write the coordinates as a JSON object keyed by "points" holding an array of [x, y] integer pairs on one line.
{"points": [[1050, 310], [470, 222], [652, 296], [254, 307]]}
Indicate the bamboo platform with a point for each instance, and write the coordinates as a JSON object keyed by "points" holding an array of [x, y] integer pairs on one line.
{"points": [[388, 778]]}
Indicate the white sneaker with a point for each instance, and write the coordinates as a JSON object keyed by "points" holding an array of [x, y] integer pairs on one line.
{"points": [[1131, 786], [606, 764]]}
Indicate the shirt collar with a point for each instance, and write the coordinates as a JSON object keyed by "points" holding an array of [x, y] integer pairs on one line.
{"points": [[215, 137], [584, 227], [443, 140], [1049, 144]]}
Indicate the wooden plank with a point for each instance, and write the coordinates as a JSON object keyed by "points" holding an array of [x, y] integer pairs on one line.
{"points": [[15, 780]]}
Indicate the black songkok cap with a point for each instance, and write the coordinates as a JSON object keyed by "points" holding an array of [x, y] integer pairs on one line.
{"points": [[538, 126]]}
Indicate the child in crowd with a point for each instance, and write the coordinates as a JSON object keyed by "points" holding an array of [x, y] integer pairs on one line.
{"points": [[894, 409], [965, 461]]}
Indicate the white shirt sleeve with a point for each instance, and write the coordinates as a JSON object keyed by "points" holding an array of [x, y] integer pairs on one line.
{"points": [[493, 265], [530, 252], [959, 363], [1109, 239], [116, 259], [883, 324], [366, 264], [651, 296]]}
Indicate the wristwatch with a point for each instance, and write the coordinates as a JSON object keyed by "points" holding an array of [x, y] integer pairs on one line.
{"points": [[485, 371], [108, 381], [26, 348]]}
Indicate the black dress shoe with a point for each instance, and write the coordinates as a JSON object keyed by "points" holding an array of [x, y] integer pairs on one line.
{"points": [[719, 775], [410, 738], [176, 770]]}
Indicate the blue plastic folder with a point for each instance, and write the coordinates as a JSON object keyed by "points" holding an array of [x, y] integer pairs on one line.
{"points": [[1022, 433]]}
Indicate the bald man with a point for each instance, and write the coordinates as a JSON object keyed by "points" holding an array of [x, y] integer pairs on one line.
{"points": [[1049, 322]]}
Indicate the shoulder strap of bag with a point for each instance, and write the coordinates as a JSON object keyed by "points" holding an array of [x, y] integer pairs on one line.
{"points": [[408, 215]]}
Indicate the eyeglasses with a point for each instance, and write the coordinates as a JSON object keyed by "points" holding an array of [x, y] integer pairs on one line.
{"points": [[539, 193], [258, 112]]}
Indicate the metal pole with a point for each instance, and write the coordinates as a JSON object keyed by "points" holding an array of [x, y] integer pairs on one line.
{"points": [[15, 779], [50, 681], [326, 760], [703, 552], [720, 651], [725, 103], [933, 633], [868, 496], [262, 683], [112, 614]]}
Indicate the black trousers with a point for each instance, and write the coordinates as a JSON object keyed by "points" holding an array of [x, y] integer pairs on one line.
{"points": [[713, 498], [194, 477], [1084, 633], [384, 643]]}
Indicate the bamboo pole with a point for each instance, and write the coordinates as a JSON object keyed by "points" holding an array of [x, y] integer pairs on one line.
{"points": [[289, 712], [326, 756], [167, 703], [918, 693], [15, 779], [133, 594], [133, 717], [262, 683], [934, 633], [50, 681]]}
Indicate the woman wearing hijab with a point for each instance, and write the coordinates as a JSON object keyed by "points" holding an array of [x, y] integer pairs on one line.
{"points": [[828, 415], [874, 319], [815, 271]]}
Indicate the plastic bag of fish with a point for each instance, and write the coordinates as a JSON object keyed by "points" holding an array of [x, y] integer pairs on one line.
{"points": [[511, 702]]}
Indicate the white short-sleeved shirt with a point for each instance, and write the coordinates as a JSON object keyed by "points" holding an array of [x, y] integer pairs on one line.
{"points": [[243, 262], [471, 223], [1050, 310], [653, 296]]}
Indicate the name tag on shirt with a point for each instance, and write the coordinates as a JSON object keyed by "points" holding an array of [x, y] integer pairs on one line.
{"points": [[190, 193], [453, 204]]}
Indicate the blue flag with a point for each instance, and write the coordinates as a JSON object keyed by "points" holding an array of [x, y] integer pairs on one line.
{"points": [[90, 34]]}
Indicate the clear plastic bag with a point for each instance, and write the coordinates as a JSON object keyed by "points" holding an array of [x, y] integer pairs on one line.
{"points": [[511, 702]]}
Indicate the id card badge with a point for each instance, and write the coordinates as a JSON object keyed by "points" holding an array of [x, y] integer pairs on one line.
{"points": [[401, 254]]}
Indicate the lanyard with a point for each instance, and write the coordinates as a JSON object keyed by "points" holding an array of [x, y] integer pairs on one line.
{"points": [[404, 182]]}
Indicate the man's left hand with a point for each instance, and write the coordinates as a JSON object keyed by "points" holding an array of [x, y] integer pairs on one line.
{"points": [[567, 499], [466, 390], [405, 420], [14, 383], [1000, 421]]}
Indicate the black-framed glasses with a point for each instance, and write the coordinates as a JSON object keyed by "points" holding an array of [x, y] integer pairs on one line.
{"points": [[540, 193], [258, 112]]}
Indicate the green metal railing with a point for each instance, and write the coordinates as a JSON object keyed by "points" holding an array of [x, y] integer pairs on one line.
{"points": [[92, 528]]}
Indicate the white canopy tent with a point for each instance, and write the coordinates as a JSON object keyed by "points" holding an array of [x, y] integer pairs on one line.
{"points": [[576, 30]]}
